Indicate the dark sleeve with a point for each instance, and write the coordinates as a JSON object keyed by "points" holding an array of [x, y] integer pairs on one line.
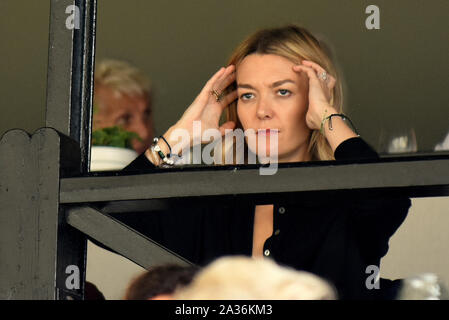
{"points": [[141, 162], [353, 149], [375, 217]]}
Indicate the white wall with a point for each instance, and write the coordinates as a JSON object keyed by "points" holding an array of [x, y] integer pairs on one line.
{"points": [[421, 244], [110, 272]]}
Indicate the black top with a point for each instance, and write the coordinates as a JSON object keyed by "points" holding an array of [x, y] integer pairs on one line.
{"points": [[335, 238]]}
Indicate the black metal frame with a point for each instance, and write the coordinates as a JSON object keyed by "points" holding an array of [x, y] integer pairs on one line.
{"points": [[70, 74], [52, 196]]}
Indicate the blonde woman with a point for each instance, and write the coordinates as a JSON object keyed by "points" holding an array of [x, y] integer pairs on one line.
{"points": [[281, 81]]}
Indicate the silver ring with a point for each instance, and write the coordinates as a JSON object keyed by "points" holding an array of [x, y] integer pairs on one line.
{"points": [[323, 76]]}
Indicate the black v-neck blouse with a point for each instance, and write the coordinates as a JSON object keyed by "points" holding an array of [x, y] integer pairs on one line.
{"points": [[336, 238]]}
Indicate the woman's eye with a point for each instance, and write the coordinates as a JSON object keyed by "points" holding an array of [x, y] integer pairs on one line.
{"points": [[124, 120], [284, 92], [246, 96]]}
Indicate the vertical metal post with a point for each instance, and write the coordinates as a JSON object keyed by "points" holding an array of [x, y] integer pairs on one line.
{"points": [[70, 71], [82, 79], [59, 74], [69, 111]]}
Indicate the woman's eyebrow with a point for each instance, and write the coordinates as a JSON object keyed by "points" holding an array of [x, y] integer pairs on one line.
{"points": [[245, 86], [273, 85], [281, 82]]}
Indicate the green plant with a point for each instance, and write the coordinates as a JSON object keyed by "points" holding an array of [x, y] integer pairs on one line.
{"points": [[114, 137]]}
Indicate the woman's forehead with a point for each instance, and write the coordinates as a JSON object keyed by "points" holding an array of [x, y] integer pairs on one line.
{"points": [[266, 68], [265, 58]]}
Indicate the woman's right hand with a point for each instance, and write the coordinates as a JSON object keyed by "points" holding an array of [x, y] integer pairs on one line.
{"points": [[206, 109]]}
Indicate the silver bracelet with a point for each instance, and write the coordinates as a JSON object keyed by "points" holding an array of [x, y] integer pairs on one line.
{"points": [[157, 149]]}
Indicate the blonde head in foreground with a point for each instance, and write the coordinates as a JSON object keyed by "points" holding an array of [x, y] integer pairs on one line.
{"points": [[243, 278]]}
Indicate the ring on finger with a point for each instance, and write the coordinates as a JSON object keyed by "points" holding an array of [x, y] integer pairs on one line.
{"points": [[323, 76], [218, 96]]}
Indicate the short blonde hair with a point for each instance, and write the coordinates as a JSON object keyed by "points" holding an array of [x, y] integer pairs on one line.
{"points": [[122, 77], [244, 278], [296, 44]]}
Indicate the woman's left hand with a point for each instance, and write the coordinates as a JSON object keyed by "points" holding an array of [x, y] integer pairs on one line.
{"points": [[319, 93]]}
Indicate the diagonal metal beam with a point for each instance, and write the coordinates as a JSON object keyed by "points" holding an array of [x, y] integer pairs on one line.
{"points": [[121, 238]]}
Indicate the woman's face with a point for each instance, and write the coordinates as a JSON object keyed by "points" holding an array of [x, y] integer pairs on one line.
{"points": [[273, 96]]}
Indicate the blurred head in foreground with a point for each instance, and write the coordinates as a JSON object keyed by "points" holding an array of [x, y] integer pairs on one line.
{"points": [[160, 282], [123, 98], [243, 278]]}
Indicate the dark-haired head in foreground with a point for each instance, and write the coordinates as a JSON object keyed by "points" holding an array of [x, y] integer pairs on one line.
{"points": [[160, 282]]}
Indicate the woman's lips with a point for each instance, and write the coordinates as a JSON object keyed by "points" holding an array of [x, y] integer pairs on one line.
{"points": [[267, 132]]}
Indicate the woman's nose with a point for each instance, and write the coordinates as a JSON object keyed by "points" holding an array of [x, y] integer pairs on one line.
{"points": [[143, 129], [264, 110]]}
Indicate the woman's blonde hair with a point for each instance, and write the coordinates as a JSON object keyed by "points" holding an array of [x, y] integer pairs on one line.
{"points": [[296, 44]]}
